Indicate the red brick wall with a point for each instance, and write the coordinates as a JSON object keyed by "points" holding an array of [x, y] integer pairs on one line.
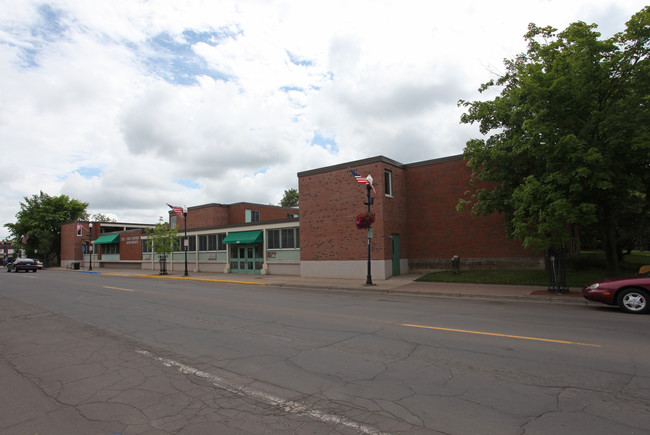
{"points": [[329, 204], [70, 242], [394, 212], [438, 230], [422, 211], [237, 212], [213, 215], [210, 215], [131, 245]]}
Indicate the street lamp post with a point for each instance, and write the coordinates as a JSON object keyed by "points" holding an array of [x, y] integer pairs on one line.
{"points": [[90, 246], [368, 187], [185, 241]]}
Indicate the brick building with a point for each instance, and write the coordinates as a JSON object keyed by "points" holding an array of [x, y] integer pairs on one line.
{"points": [[417, 229], [232, 238], [6, 250], [101, 244]]}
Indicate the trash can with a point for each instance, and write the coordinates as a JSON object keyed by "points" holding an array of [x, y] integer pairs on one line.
{"points": [[163, 265], [75, 266], [455, 264]]}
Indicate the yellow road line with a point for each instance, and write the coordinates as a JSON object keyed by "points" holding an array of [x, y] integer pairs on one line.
{"points": [[118, 288], [499, 335], [188, 279]]}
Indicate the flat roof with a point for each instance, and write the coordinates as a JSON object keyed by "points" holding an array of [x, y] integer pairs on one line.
{"points": [[377, 159]]}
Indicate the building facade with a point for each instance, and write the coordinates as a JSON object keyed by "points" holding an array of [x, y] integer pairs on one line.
{"points": [[229, 238], [101, 244], [417, 229], [6, 251]]}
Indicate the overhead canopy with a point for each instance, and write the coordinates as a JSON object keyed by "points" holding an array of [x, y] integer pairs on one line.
{"points": [[244, 237], [107, 238]]}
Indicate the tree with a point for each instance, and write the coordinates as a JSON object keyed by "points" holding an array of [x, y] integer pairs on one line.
{"points": [[98, 217], [569, 140], [162, 239], [38, 223], [290, 198]]}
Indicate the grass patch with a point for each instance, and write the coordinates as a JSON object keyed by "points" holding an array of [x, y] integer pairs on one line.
{"points": [[581, 269]]}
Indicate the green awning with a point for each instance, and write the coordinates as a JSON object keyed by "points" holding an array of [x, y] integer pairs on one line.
{"points": [[107, 238], [244, 237]]}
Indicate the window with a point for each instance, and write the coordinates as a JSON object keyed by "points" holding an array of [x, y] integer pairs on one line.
{"points": [[172, 222], [287, 238], [205, 241], [191, 246], [212, 242], [145, 246], [273, 239], [252, 215], [110, 248], [388, 182]]}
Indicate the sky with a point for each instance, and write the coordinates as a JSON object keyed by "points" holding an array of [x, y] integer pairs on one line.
{"points": [[132, 104]]}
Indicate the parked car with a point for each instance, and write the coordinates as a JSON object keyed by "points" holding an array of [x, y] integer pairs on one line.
{"points": [[38, 264], [631, 294], [26, 264]]}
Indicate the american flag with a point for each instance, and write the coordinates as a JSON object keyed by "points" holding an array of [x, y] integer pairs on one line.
{"points": [[79, 227], [177, 210], [362, 180]]}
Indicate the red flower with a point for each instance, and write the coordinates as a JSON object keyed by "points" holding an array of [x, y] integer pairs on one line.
{"points": [[365, 220]]}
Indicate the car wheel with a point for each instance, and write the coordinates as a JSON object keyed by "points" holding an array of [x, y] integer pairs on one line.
{"points": [[634, 300]]}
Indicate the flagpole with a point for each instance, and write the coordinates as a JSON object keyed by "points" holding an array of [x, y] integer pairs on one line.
{"points": [[90, 246], [185, 241], [368, 187]]}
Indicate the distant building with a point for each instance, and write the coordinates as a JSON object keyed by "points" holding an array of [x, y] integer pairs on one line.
{"points": [[228, 238], [6, 251], [111, 244], [417, 229]]}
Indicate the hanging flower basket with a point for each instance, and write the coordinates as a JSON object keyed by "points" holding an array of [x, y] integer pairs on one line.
{"points": [[365, 220]]}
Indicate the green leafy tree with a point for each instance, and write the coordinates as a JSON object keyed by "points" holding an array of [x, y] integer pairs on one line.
{"points": [[162, 239], [98, 217], [38, 224], [568, 139], [290, 198]]}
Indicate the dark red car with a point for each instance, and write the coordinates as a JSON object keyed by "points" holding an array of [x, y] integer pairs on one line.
{"points": [[26, 264], [631, 294]]}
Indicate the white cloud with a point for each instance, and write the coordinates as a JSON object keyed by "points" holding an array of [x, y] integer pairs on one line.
{"points": [[130, 105]]}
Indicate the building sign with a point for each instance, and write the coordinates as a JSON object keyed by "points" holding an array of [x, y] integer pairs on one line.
{"points": [[131, 240]]}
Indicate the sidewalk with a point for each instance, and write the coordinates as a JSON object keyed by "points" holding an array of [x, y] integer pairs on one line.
{"points": [[403, 284]]}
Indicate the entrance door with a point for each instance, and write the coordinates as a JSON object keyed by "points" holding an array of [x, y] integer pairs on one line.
{"points": [[246, 258], [396, 254]]}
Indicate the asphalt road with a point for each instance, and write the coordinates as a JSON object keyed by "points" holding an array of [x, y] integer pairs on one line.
{"points": [[273, 360]]}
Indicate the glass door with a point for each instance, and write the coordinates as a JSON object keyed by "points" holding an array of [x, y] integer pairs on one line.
{"points": [[246, 259]]}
